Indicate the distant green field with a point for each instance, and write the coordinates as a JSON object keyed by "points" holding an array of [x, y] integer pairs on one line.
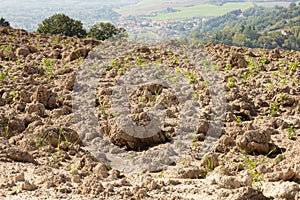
{"points": [[203, 10], [149, 6]]}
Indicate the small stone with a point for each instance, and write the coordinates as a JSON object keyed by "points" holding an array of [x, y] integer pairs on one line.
{"points": [[20, 156], [254, 141], [192, 172], [101, 170], [28, 186], [20, 177], [76, 179], [280, 190], [114, 174], [22, 51]]}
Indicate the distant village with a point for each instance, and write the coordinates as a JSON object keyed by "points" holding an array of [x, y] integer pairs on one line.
{"points": [[148, 29]]}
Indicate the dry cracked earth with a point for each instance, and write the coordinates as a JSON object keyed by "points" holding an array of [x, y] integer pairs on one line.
{"points": [[245, 145]]}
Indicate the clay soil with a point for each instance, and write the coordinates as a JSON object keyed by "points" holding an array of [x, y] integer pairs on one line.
{"points": [[44, 155]]}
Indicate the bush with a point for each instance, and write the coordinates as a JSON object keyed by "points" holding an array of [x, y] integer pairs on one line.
{"points": [[103, 31], [3, 22], [62, 24]]}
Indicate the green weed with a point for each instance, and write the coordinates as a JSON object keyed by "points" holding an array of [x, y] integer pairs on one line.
{"points": [[101, 104], [195, 96], [206, 83], [191, 77], [252, 164], [40, 141], [228, 67], [293, 66], [291, 132], [263, 60], [168, 135], [270, 86], [3, 75], [161, 175], [238, 121], [274, 108], [7, 49], [65, 139], [48, 67], [231, 82], [175, 61], [14, 94]]}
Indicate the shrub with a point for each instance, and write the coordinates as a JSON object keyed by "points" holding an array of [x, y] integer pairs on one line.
{"points": [[62, 24], [103, 31], [3, 22]]}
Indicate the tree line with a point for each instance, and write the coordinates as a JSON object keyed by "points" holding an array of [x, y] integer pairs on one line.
{"points": [[64, 25], [256, 27]]}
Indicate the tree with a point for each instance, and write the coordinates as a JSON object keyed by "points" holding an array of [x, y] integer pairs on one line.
{"points": [[103, 31], [62, 24], [3, 22]]}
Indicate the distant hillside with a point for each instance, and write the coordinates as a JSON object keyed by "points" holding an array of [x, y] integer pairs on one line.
{"points": [[28, 14], [254, 27]]}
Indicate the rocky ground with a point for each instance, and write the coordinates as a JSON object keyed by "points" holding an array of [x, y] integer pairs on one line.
{"points": [[244, 144]]}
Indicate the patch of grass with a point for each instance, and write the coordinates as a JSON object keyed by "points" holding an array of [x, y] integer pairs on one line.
{"points": [[202, 10], [209, 164], [228, 67], [206, 83], [7, 49], [263, 59], [196, 138], [116, 114], [115, 63], [281, 71], [3, 74], [291, 132], [252, 164], [40, 48], [252, 67], [293, 66], [40, 141], [131, 156], [295, 80], [55, 160], [191, 77], [281, 97], [72, 168], [168, 135], [14, 94], [270, 86], [161, 175], [48, 67], [238, 121], [140, 7], [175, 79], [63, 136], [195, 96], [274, 108], [283, 81], [101, 104], [231, 82], [139, 61]]}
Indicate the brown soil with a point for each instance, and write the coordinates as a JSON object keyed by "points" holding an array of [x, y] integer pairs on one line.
{"points": [[45, 146]]}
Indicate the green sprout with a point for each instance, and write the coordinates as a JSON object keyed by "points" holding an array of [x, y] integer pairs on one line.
{"points": [[228, 67], [231, 82], [291, 132], [238, 120]]}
